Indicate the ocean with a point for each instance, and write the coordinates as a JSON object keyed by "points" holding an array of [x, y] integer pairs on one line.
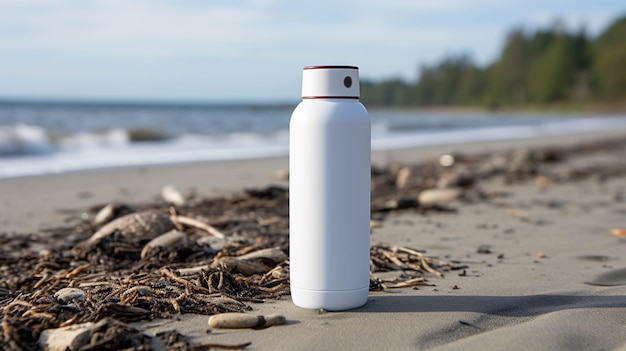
{"points": [[39, 138]]}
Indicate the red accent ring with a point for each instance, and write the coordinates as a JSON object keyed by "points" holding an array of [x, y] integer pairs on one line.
{"points": [[331, 67], [331, 97]]}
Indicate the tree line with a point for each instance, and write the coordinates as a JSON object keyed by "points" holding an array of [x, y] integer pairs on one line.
{"points": [[541, 67]]}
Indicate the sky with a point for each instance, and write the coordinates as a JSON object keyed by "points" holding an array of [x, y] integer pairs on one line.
{"points": [[250, 50]]}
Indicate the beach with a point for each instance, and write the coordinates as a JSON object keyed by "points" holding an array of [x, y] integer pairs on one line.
{"points": [[523, 257]]}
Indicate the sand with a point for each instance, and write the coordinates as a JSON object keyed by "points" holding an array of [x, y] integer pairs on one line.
{"points": [[529, 293]]}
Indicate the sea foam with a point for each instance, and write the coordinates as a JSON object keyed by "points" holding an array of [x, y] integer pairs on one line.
{"points": [[29, 150]]}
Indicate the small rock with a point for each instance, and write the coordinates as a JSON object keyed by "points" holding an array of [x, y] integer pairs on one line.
{"points": [[280, 174], [446, 160], [543, 181], [404, 174], [67, 295], [619, 232], [172, 195], [431, 197], [484, 249], [71, 338], [242, 321], [541, 255], [374, 224]]}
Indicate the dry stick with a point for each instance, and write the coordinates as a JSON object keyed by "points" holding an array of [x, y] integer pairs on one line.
{"points": [[185, 282], [192, 270], [41, 281], [89, 276], [69, 321], [33, 313], [174, 217], [200, 225], [278, 287], [429, 268], [268, 274], [6, 330], [426, 266], [409, 283], [101, 283], [76, 271], [394, 259], [220, 285], [407, 250], [113, 293]]}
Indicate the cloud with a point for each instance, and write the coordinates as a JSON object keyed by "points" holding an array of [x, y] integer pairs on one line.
{"points": [[194, 47], [128, 29]]}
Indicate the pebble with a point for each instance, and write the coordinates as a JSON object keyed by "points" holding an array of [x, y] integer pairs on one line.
{"points": [[431, 197], [543, 181], [172, 195], [374, 224], [446, 160], [280, 174], [484, 249], [618, 232], [71, 338], [67, 295], [242, 321]]}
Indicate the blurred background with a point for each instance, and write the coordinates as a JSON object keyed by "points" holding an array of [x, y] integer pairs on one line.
{"points": [[87, 84]]}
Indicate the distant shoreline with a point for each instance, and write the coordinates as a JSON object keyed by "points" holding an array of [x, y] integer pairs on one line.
{"points": [[558, 108]]}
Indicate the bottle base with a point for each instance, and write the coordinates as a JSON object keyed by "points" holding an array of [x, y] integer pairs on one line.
{"points": [[329, 300]]}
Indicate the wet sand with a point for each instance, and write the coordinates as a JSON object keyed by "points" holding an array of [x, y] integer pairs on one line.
{"points": [[530, 256]]}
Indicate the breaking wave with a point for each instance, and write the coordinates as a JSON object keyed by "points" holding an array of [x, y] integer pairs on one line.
{"points": [[33, 150]]}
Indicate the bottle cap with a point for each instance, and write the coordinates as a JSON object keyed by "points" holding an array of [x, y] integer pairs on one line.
{"points": [[330, 82]]}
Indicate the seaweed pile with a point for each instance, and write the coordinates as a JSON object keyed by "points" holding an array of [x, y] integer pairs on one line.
{"points": [[124, 263]]}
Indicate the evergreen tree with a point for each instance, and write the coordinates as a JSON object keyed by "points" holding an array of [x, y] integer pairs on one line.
{"points": [[546, 66], [609, 62]]}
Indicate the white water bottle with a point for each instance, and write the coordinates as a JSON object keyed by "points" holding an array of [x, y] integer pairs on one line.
{"points": [[329, 191]]}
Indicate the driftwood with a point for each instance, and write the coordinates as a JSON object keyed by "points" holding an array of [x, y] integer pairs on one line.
{"points": [[257, 262], [168, 240], [144, 225], [240, 321]]}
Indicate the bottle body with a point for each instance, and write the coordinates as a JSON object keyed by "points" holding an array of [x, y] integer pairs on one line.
{"points": [[329, 172]]}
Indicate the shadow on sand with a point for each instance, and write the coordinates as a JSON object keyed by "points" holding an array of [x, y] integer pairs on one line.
{"points": [[509, 306]]}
